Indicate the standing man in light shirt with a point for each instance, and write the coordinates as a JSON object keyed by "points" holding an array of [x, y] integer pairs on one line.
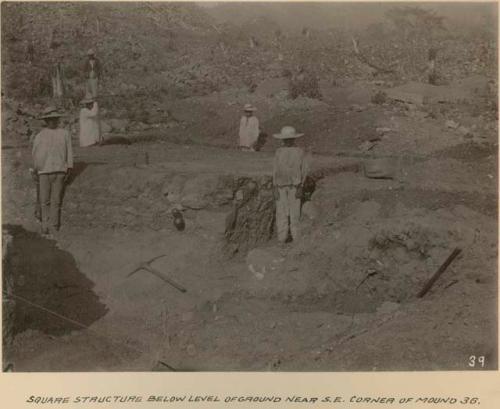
{"points": [[249, 129], [289, 173], [53, 161]]}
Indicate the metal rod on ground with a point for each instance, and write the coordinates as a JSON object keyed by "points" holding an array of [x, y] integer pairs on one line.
{"points": [[46, 310], [167, 366], [438, 273]]}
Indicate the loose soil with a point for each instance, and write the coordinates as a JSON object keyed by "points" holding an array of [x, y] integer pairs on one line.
{"points": [[341, 298]]}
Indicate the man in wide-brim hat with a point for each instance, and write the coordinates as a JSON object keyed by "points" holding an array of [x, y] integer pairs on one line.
{"points": [[249, 128], [87, 100], [90, 129], [289, 173], [52, 163], [249, 108], [51, 113]]}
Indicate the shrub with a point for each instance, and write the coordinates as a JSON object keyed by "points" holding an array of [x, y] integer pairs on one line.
{"points": [[379, 98], [304, 84]]}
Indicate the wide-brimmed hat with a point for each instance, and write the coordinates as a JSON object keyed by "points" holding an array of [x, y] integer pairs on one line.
{"points": [[249, 108], [51, 112], [91, 51], [288, 132], [87, 99]]}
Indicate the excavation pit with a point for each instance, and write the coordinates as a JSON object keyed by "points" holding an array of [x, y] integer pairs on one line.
{"points": [[47, 291]]}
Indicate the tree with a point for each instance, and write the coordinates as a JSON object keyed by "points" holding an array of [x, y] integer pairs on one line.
{"points": [[412, 19]]}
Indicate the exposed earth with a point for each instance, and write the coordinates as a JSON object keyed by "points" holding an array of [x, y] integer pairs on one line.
{"points": [[341, 298]]}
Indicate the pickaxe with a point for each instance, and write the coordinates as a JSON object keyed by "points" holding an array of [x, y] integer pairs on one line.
{"points": [[147, 266]]}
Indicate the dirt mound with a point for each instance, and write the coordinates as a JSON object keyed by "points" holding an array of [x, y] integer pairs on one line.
{"points": [[384, 260], [37, 36], [468, 152]]}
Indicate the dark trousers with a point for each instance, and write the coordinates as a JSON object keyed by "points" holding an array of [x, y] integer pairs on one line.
{"points": [[51, 189]]}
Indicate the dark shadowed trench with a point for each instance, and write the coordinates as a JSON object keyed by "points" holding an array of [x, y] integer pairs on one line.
{"points": [[41, 276]]}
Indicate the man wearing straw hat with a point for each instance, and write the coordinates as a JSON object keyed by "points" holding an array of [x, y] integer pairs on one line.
{"points": [[290, 171], [90, 129], [249, 129], [53, 161]]}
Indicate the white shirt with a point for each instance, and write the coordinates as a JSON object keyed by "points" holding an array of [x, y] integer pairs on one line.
{"points": [[290, 166], [249, 131], [52, 151]]}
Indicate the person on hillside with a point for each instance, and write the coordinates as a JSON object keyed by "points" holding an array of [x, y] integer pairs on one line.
{"points": [[289, 173], [90, 129], [58, 85], [52, 164], [432, 74], [249, 129], [92, 72]]}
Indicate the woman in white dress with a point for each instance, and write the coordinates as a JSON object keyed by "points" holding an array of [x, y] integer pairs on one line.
{"points": [[249, 129], [90, 132]]}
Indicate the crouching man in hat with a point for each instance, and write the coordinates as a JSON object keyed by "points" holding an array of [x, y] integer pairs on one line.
{"points": [[249, 129], [53, 161], [289, 174]]}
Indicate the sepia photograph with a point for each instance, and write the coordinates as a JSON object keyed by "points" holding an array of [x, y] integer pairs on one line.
{"points": [[249, 187]]}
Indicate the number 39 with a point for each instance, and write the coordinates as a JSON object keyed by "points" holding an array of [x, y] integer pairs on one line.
{"points": [[476, 360]]}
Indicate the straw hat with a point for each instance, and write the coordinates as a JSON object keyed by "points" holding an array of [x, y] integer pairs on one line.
{"points": [[287, 132], [249, 108], [50, 112], [87, 99], [91, 52]]}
